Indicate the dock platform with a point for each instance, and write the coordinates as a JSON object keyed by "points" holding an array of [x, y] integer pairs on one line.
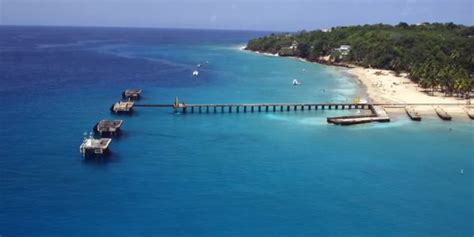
{"points": [[95, 147], [470, 113], [132, 94], [378, 115], [411, 112], [442, 114], [108, 128], [122, 107]]}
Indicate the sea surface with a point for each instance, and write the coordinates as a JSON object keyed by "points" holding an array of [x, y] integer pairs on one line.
{"points": [[231, 174]]}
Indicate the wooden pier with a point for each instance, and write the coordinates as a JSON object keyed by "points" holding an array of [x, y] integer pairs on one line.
{"points": [[244, 108], [108, 128], [122, 107], [442, 114], [378, 110], [411, 112], [132, 94]]}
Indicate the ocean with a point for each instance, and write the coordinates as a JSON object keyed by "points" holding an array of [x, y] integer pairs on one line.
{"points": [[231, 174]]}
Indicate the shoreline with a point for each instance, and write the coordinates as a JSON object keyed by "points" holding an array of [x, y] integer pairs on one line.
{"points": [[383, 86]]}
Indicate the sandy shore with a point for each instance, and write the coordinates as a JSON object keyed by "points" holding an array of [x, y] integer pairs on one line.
{"points": [[384, 87]]}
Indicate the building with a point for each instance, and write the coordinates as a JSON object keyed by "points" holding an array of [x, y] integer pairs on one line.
{"points": [[343, 50], [294, 45]]}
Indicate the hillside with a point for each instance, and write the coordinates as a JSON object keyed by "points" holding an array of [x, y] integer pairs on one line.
{"points": [[437, 56]]}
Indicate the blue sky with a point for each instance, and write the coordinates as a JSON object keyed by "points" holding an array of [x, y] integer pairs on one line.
{"points": [[285, 15]]}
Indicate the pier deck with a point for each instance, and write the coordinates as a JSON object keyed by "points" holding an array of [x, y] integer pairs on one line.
{"points": [[91, 146], [411, 112], [442, 114], [470, 113], [108, 127], [132, 94], [122, 107], [378, 110], [264, 107], [356, 119], [378, 115]]}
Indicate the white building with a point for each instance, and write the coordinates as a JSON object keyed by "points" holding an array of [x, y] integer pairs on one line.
{"points": [[294, 45], [343, 49]]}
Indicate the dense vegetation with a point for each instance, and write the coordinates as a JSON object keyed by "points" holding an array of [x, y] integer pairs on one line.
{"points": [[437, 56]]}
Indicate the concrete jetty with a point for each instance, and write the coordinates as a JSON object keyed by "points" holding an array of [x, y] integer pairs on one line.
{"points": [[122, 107], [412, 113], [132, 94], [108, 128], [378, 115], [379, 111], [442, 114], [470, 113]]}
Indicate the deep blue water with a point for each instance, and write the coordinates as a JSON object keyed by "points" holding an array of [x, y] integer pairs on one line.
{"points": [[260, 174]]}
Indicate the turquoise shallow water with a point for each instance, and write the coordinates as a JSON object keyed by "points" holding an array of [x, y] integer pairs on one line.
{"points": [[260, 174]]}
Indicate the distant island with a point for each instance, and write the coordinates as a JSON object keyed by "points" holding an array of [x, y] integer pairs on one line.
{"points": [[436, 56]]}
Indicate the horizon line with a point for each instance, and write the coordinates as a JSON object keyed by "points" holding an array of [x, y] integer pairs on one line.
{"points": [[145, 27], [218, 29]]}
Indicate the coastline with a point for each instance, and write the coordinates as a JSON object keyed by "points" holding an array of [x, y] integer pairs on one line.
{"points": [[385, 87]]}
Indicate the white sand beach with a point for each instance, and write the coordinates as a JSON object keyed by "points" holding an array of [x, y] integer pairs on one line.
{"points": [[383, 86]]}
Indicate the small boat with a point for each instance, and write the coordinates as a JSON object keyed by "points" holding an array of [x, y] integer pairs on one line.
{"points": [[304, 69], [296, 82], [195, 73], [199, 65]]}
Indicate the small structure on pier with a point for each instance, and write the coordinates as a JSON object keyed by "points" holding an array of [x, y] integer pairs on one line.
{"points": [[94, 147], [415, 116], [122, 107], [108, 128], [177, 105], [442, 114], [132, 94]]}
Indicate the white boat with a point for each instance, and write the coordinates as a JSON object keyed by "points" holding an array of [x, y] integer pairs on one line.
{"points": [[199, 65], [196, 73], [296, 82]]}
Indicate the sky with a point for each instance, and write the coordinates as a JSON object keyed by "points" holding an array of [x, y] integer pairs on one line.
{"points": [[273, 15]]}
